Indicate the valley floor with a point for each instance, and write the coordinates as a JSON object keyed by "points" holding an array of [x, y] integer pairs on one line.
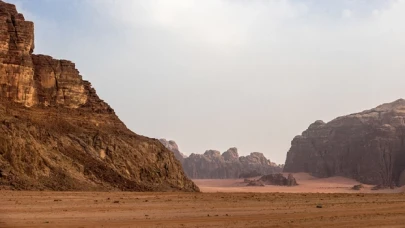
{"points": [[316, 202], [126, 209], [306, 184]]}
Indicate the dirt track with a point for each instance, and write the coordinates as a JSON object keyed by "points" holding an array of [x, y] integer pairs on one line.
{"points": [[94, 209]]}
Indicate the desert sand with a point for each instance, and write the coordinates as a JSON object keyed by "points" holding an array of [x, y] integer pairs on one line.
{"points": [[307, 184], [223, 203]]}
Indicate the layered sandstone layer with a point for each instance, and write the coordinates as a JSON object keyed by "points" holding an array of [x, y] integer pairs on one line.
{"points": [[55, 132], [368, 146]]}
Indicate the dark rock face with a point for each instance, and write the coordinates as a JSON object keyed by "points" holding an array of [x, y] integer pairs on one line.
{"points": [[213, 165], [57, 134], [279, 179], [368, 146]]}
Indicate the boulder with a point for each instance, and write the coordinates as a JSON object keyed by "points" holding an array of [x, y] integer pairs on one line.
{"points": [[279, 179], [357, 187], [256, 183]]}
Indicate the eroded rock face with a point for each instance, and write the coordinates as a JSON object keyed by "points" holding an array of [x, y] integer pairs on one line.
{"points": [[16, 46], [58, 83], [368, 146], [56, 133], [214, 165], [35, 79]]}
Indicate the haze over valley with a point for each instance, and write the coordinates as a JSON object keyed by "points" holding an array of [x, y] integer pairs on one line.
{"points": [[218, 74]]}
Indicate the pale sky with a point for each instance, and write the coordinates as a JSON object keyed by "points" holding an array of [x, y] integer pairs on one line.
{"points": [[215, 74]]}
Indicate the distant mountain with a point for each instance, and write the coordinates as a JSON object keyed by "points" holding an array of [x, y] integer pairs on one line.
{"points": [[214, 165], [172, 146], [368, 146]]}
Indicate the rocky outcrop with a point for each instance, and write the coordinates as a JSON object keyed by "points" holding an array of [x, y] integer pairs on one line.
{"points": [[291, 181], [357, 187], [368, 146], [172, 146], [214, 165], [278, 179], [256, 183], [55, 132]]}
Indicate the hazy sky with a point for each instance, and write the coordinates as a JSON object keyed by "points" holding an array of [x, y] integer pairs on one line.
{"points": [[214, 74]]}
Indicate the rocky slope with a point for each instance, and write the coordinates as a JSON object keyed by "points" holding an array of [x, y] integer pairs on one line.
{"points": [[368, 146], [55, 132], [214, 165]]}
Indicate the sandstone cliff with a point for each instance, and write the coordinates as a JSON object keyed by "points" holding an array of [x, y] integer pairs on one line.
{"points": [[55, 132], [368, 146], [214, 165]]}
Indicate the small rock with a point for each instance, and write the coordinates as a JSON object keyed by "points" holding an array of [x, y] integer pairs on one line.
{"points": [[377, 187], [357, 187]]}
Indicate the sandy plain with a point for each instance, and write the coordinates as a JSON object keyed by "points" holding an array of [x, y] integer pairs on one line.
{"points": [[224, 203]]}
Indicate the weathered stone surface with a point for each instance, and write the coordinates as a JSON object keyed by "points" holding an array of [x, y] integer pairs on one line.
{"points": [[213, 165], [279, 179], [16, 46], [55, 132], [173, 147], [37, 79], [368, 146], [58, 82]]}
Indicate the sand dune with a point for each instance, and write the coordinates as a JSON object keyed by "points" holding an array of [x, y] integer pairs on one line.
{"points": [[307, 184]]}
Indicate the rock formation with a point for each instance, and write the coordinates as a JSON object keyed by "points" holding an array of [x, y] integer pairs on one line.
{"points": [[368, 146], [278, 179], [256, 183], [55, 132], [357, 187], [213, 165], [172, 146]]}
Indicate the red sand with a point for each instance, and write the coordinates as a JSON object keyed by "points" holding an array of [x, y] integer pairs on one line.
{"points": [[307, 184], [245, 207]]}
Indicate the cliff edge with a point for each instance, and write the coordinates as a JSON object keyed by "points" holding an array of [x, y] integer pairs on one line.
{"points": [[57, 134]]}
